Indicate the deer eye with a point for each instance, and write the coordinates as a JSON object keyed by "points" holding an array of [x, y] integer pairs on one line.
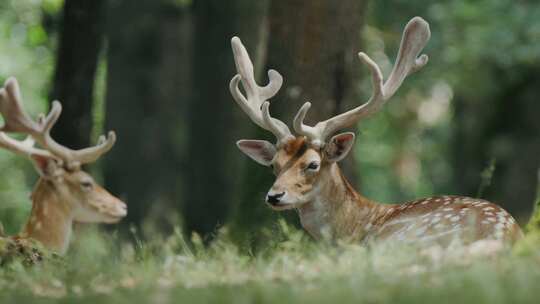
{"points": [[87, 185], [312, 166]]}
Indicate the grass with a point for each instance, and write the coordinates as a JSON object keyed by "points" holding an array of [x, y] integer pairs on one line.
{"points": [[288, 268]]}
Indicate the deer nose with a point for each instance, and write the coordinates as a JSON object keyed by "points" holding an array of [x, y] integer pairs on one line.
{"points": [[123, 209], [274, 198]]}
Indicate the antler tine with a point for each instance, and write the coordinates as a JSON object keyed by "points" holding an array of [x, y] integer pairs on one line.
{"points": [[91, 154], [16, 120], [257, 96], [73, 158], [415, 37], [25, 147]]}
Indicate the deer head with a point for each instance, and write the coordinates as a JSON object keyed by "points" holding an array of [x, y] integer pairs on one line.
{"points": [[63, 185], [303, 164]]}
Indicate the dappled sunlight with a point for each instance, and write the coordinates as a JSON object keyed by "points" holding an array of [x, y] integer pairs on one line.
{"points": [[437, 106]]}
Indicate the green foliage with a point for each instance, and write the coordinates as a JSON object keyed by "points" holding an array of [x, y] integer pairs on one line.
{"points": [[487, 176], [52, 6], [478, 51], [533, 227], [25, 52]]}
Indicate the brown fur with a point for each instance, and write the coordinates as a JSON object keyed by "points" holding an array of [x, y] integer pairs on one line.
{"points": [[293, 147], [59, 201], [337, 211], [53, 226]]}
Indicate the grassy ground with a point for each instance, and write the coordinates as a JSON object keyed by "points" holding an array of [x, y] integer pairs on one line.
{"points": [[288, 268]]}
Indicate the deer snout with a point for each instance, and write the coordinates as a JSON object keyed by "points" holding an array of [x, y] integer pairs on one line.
{"points": [[274, 197], [117, 212], [118, 209], [121, 209]]}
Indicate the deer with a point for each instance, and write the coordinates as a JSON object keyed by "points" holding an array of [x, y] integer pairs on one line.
{"points": [[64, 193], [309, 179]]}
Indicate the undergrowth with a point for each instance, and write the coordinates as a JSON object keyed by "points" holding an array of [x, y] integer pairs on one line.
{"points": [[288, 268]]}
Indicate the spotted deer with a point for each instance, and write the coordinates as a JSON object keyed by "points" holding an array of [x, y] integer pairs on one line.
{"points": [[308, 177], [64, 193]]}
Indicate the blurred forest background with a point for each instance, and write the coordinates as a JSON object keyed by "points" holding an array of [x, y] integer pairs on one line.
{"points": [[157, 72]]}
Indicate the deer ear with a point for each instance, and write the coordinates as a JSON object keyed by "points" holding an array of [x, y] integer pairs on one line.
{"points": [[339, 146], [45, 166], [260, 151]]}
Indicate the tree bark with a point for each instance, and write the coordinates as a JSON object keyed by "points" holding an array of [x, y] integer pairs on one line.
{"points": [[213, 157], [147, 64], [503, 126], [314, 45], [81, 40]]}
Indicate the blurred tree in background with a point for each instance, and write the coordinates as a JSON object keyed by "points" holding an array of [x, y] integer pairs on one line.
{"points": [[81, 38], [210, 176], [160, 79], [147, 57]]}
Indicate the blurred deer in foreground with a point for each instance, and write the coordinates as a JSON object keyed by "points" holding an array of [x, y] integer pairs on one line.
{"points": [[64, 193], [310, 181]]}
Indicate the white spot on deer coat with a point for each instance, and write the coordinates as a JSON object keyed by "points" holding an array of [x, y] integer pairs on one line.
{"points": [[420, 231], [499, 226]]}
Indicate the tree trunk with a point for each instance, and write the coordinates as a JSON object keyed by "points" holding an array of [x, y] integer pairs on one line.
{"points": [[81, 40], [313, 44], [147, 64], [210, 175], [503, 126]]}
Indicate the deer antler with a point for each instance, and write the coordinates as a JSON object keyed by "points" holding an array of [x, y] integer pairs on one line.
{"points": [[18, 121], [256, 105], [25, 147], [415, 36]]}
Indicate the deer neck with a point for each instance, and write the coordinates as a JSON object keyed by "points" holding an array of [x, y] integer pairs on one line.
{"points": [[337, 210], [50, 219]]}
